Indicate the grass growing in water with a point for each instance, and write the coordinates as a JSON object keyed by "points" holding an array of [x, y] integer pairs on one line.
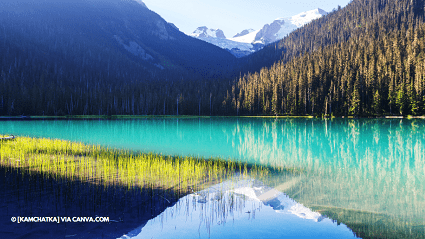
{"points": [[77, 161], [178, 175]]}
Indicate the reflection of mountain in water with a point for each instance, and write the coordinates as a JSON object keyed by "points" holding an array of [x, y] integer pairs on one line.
{"points": [[240, 209], [280, 202]]}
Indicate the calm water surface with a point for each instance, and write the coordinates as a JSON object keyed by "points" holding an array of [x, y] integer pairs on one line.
{"points": [[236, 209], [371, 165]]}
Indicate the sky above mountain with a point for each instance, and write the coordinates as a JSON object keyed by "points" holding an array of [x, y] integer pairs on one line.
{"points": [[235, 15]]}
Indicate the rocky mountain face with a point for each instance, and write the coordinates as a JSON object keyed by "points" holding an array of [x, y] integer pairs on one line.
{"points": [[270, 33], [205, 32], [244, 32], [249, 41]]}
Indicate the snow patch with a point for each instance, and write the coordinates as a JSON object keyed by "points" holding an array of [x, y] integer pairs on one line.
{"points": [[248, 38], [305, 17], [228, 44], [249, 41], [206, 32], [285, 29], [139, 2], [243, 33]]}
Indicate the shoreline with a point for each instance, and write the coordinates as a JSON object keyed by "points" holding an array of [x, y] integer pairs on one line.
{"points": [[114, 117]]}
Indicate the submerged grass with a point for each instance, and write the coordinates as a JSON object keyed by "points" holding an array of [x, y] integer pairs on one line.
{"points": [[77, 161]]}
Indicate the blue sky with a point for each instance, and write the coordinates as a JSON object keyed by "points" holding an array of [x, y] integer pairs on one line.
{"points": [[233, 16]]}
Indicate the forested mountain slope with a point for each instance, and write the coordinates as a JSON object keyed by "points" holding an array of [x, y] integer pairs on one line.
{"points": [[365, 59], [337, 26], [118, 57], [97, 57]]}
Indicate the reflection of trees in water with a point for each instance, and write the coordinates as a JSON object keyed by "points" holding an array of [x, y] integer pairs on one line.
{"points": [[374, 165]]}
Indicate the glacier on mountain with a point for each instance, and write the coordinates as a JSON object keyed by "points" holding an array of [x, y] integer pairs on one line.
{"points": [[244, 32], [206, 32], [249, 41]]}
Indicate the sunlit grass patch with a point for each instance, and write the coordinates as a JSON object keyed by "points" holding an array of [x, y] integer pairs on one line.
{"points": [[60, 158]]}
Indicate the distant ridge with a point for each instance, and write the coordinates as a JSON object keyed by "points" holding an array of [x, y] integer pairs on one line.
{"points": [[243, 33], [249, 40]]}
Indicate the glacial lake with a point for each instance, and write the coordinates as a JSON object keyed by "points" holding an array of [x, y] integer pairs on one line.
{"points": [[372, 170]]}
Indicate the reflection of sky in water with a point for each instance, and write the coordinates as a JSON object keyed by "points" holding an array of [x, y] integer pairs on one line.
{"points": [[237, 212], [363, 164]]}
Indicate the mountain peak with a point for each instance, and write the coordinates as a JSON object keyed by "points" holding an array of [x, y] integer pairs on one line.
{"points": [[321, 11], [244, 32], [141, 3], [205, 32], [308, 16]]}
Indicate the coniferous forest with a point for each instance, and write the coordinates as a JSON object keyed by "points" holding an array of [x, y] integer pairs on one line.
{"points": [[366, 59]]}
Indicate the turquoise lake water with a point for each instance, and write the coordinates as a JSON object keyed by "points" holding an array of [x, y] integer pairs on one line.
{"points": [[371, 165]]}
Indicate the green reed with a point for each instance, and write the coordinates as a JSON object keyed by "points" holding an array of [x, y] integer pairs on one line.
{"points": [[77, 161]]}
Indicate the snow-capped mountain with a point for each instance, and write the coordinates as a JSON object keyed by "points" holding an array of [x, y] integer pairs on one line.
{"points": [[217, 37], [141, 3], [280, 28], [205, 32], [244, 32], [249, 41]]}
